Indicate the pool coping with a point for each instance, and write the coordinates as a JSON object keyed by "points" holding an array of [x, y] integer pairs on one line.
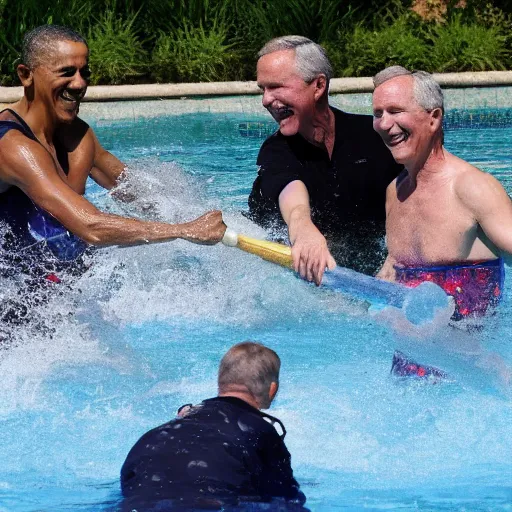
{"points": [[100, 93]]}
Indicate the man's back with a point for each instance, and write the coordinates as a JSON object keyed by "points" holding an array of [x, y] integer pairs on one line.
{"points": [[221, 449]]}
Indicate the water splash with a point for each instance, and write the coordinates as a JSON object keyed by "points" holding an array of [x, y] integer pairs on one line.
{"points": [[142, 332]]}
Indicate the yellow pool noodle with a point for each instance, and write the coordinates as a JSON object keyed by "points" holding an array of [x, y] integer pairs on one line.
{"points": [[269, 251]]}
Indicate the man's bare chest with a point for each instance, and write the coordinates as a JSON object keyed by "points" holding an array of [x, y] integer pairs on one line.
{"points": [[427, 208], [429, 225]]}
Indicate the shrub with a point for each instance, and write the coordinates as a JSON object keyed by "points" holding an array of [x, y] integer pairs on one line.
{"points": [[368, 51], [116, 53], [219, 39], [458, 46], [19, 16], [193, 54], [492, 16]]}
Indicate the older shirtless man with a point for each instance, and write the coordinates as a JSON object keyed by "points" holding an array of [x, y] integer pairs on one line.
{"points": [[46, 154], [446, 221]]}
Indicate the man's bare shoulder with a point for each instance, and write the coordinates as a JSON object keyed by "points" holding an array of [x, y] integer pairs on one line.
{"points": [[467, 175], [14, 140], [459, 166], [392, 187], [22, 158], [475, 187], [399, 187]]}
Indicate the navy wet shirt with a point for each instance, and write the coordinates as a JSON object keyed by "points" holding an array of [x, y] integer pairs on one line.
{"points": [[30, 225], [347, 192], [222, 449]]}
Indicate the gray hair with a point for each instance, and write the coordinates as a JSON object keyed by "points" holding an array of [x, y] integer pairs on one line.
{"points": [[250, 365], [38, 43], [310, 58], [427, 92]]}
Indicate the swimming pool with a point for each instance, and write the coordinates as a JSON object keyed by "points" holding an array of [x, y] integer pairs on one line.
{"points": [[145, 332]]}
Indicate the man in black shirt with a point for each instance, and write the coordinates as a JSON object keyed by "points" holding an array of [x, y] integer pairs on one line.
{"points": [[222, 451], [325, 172]]}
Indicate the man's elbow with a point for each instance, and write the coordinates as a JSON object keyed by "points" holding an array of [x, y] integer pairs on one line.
{"points": [[92, 239], [93, 231]]}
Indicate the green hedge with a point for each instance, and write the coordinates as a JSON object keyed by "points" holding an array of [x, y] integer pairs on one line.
{"points": [[135, 41]]}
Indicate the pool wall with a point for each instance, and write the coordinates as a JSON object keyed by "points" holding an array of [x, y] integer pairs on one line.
{"points": [[472, 90], [337, 86], [461, 99]]}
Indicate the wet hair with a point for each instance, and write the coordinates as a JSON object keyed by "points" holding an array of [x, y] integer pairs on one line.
{"points": [[250, 365], [427, 92], [310, 58], [38, 43]]}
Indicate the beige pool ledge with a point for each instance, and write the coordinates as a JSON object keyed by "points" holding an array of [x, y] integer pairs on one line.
{"points": [[338, 86]]}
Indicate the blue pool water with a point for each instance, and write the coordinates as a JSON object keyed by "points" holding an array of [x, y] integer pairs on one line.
{"points": [[144, 329]]}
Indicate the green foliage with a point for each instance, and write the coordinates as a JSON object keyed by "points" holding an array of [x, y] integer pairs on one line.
{"points": [[193, 54], [18, 17], [143, 40], [492, 16], [116, 53], [304, 17], [368, 51], [458, 46]]}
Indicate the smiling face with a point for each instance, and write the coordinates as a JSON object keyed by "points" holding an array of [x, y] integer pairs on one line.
{"points": [[289, 99], [406, 128], [60, 82]]}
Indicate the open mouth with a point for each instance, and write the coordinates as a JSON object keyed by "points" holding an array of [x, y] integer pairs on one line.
{"points": [[281, 113], [396, 139], [71, 98]]}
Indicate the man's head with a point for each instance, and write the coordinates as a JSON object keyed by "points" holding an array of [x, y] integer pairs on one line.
{"points": [[408, 112], [293, 73], [252, 368], [54, 69]]}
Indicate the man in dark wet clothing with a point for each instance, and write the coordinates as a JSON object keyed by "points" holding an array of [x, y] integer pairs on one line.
{"points": [[222, 451], [325, 172]]}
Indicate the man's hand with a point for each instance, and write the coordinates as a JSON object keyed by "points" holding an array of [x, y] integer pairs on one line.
{"points": [[122, 190], [387, 272], [207, 229], [310, 253], [309, 248]]}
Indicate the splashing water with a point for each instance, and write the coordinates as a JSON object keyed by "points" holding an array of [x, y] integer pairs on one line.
{"points": [[143, 330]]}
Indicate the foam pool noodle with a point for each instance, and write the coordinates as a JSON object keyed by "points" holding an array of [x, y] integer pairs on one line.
{"points": [[419, 304]]}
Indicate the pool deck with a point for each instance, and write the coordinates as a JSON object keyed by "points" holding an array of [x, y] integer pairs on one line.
{"points": [[491, 89]]}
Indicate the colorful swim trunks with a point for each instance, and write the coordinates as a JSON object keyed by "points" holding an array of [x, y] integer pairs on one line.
{"points": [[476, 286], [402, 366]]}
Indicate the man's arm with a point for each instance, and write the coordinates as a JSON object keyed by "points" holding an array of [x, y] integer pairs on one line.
{"points": [[27, 165], [110, 173], [86, 157], [309, 247], [387, 271], [488, 201], [107, 168]]}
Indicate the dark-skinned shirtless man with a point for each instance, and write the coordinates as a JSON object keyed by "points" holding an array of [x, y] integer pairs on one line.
{"points": [[46, 155]]}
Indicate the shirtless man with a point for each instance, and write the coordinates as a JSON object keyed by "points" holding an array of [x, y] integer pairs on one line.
{"points": [[47, 152], [446, 221]]}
